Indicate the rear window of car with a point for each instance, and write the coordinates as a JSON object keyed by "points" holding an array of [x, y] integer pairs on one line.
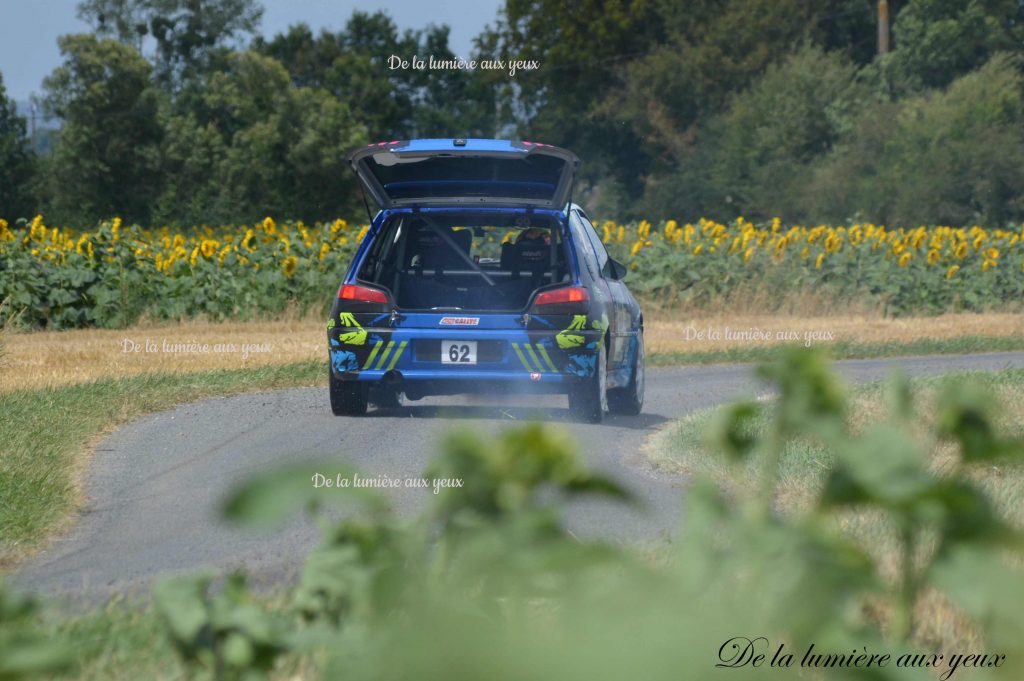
{"points": [[466, 261]]}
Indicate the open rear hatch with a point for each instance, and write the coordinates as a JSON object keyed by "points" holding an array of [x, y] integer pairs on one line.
{"points": [[470, 172]]}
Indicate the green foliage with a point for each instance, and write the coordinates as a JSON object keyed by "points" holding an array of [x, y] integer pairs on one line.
{"points": [[489, 574], [952, 157], [763, 149], [107, 160], [352, 65], [715, 107], [580, 47], [254, 145], [225, 631], [17, 166], [489, 583], [186, 33], [940, 40], [24, 651]]}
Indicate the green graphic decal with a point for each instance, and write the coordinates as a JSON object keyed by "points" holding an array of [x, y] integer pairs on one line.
{"points": [[547, 358], [567, 340], [356, 337], [384, 357], [330, 323], [398, 353], [533, 356], [373, 354], [522, 357]]}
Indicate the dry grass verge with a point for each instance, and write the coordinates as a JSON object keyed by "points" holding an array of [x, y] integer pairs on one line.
{"points": [[694, 332], [47, 359]]}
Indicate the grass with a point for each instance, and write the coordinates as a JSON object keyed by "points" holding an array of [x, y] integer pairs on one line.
{"points": [[113, 640], [681, 450], [45, 359], [124, 641], [46, 434], [55, 358], [846, 350]]}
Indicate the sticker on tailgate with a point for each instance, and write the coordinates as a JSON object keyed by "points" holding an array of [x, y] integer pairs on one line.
{"points": [[459, 321]]}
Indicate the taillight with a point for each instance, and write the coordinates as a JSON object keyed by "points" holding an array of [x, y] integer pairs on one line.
{"points": [[560, 296], [362, 294]]}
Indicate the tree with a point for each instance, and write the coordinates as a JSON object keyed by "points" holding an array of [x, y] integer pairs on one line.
{"points": [[951, 157], [630, 83], [940, 40], [16, 162], [108, 153], [186, 32], [580, 48], [352, 64], [254, 144], [764, 146]]}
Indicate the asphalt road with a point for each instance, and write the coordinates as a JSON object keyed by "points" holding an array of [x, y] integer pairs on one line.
{"points": [[155, 486]]}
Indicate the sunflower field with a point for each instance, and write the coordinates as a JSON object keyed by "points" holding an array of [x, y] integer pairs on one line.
{"points": [[115, 274]]}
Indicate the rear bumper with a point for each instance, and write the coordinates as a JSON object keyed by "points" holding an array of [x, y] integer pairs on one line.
{"points": [[521, 377], [543, 359]]}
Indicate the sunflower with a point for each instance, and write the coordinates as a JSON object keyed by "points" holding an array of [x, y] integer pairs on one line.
{"points": [[904, 259], [952, 271], [933, 256], [289, 265]]}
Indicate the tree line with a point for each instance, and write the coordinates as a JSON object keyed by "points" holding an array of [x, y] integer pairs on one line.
{"points": [[180, 112]]}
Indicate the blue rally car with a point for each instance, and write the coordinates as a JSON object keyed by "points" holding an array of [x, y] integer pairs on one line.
{"points": [[478, 274]]}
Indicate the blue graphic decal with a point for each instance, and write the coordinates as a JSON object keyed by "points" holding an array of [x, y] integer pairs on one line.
{"points": [[343, 360], [582, 365]]}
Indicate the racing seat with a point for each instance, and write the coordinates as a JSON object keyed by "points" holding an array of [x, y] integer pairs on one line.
{"points": [[435, 253], [427, 257], [531, 253]]}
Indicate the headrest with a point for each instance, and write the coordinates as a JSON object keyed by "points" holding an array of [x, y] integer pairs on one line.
{"points": [[433, 250], [534, 246]]}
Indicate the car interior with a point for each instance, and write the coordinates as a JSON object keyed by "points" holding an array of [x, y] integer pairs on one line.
{"points": [[465, 262]]}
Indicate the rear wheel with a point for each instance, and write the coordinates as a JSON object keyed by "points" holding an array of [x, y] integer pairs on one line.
{"points": [[630, 400], [588, 399], [348, 398]]}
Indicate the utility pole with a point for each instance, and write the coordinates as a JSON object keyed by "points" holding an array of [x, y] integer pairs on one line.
{"points": [[32, 108], [883, 26]]}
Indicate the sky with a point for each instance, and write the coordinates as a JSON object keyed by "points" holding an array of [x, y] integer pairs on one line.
{"points": [[29, 28]]}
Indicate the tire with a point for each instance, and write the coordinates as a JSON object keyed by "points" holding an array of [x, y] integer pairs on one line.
{"points": [[348, 398], [588, 399], [630, 400]]}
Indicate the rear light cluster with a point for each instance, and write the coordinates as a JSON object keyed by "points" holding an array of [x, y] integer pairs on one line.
{"points": [[561, 296], [362, 294]]}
